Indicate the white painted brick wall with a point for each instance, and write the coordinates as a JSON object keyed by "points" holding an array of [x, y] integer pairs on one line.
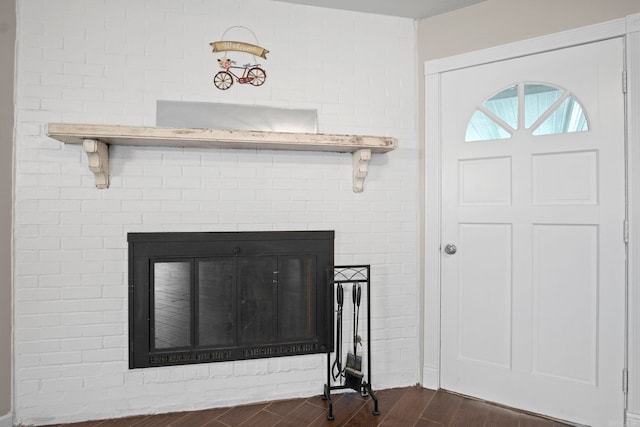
{"points": [[109, 61]]}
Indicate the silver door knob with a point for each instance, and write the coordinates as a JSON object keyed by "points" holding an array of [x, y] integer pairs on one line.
{"points": [[450, 249]]}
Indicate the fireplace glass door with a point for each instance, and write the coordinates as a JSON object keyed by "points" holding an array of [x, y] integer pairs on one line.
{"points": [[202, 307], [171, 304], [246, 300]]}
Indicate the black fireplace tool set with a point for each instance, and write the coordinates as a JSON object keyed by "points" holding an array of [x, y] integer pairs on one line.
{"points": [[350, 375]]}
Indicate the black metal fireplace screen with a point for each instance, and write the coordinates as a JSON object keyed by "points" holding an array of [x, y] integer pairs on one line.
{"points": [[213, 297]]}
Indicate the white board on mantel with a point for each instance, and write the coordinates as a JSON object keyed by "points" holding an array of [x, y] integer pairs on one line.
{"points": [[209, 115]]}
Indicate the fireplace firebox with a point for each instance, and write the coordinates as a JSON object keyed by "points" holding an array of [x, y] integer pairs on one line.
{"points": [[213, 297]]}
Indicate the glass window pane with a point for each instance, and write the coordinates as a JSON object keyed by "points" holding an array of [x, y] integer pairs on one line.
{"points": [[568, 117], [216, 313], [172, 304], [482, 128], [537, 99], [505, 106], [258, 289], [297, 314]]}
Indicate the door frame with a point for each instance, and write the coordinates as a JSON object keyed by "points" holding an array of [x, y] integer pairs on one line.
{"points": [[629, 29]]}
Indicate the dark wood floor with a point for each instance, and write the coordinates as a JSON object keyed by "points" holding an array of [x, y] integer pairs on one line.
{"points": [[404, 407]]}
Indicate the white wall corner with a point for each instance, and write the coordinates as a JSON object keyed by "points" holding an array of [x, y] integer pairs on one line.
{"points": [[6, 420]]}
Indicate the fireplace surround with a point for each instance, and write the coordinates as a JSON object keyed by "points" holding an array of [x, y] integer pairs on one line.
{"points": [[220, 296]]}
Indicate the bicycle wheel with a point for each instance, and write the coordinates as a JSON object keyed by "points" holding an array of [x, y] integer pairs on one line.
{"points": [[257, 76], [223, 80]]}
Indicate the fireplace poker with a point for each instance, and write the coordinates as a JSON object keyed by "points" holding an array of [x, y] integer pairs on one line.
{"points": [[337, 370], [353, 371]]}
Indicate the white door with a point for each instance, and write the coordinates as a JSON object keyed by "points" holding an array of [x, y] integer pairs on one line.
{"points": [[533, 198]]}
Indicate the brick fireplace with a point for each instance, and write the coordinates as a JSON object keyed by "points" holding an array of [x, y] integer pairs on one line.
{"points": [[109, 61]]}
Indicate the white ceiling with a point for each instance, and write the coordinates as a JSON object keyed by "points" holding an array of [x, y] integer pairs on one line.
{"points": [[416, 9]]}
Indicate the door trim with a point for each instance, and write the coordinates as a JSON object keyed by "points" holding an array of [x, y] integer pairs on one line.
{"points": [[629, 28], [633, 197]]}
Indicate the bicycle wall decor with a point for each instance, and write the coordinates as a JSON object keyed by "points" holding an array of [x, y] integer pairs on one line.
{"points": [[250, 72]]}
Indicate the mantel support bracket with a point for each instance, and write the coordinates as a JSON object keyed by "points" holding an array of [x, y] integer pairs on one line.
{"points": [[98, 157], [360, 168]]}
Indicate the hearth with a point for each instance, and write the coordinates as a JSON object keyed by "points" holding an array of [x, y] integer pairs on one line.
{"points": [[212, 297]]}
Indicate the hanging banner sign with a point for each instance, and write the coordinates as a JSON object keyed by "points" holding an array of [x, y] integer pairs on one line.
{"points": [[223, 46]]}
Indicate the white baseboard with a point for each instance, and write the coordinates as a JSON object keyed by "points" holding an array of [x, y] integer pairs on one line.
{"points": [[6, 420]]}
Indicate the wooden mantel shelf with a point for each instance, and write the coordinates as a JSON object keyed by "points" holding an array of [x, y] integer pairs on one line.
{"points": [[96, 139]]}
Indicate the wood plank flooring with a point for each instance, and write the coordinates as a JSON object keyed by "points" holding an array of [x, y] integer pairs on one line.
{"points": [[403, 407]]}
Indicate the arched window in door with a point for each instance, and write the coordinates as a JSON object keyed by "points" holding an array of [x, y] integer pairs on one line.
{"points": [[540, 109]]}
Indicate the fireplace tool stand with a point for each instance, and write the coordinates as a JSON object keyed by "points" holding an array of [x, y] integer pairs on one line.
{"points": [[351, 375]]}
